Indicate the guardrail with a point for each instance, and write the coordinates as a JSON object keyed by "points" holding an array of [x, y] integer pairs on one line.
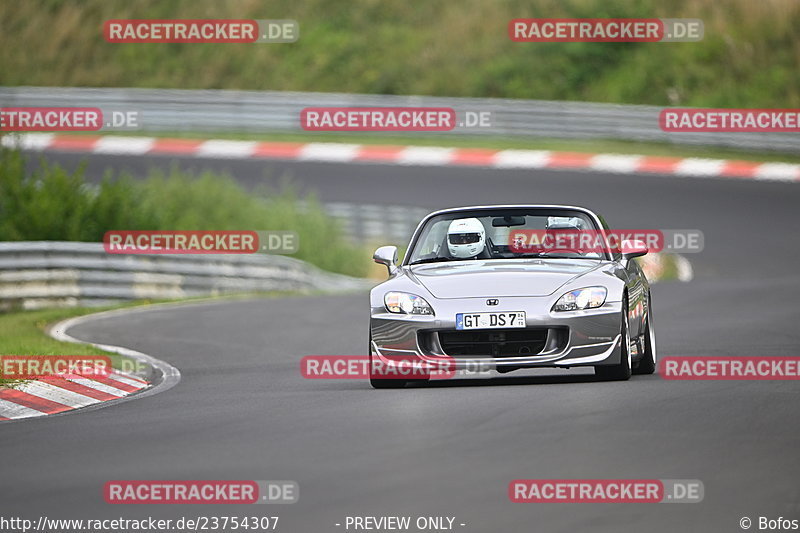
{"points": [[53, 273], [376, 224], [176, 110]]}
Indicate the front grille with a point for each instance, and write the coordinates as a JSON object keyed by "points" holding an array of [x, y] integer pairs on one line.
{"points": [[494, 343]]}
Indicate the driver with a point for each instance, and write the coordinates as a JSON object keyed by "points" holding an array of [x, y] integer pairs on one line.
{"points": [[466, 238]]}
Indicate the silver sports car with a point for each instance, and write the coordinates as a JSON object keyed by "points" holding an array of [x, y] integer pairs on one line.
{"points": [[466, 296]]}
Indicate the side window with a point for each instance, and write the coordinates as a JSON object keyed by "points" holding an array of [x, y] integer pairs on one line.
{"points": [[434, 239]]}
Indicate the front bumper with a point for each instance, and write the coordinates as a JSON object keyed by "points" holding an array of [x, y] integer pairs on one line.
{"points": [[574, 338]]}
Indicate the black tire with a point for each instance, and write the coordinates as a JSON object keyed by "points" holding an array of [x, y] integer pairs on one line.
{"points": [[648, 363], [622, 370], [381, 383]]}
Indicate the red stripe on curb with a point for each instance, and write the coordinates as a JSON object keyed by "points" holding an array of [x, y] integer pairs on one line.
{"points": [[379, 153], [74, 142], [473, 156], [118, 384], [739, 169], [278, 150], [175, 146], [569, 160], [83, 390], [33, 402], [658, 165]]}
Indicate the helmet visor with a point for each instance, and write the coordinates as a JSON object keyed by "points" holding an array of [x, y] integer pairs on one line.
{"points": [[463, 238]]}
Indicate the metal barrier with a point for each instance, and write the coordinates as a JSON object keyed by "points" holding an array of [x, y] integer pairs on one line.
{"points": [[53, 273], [376, 224], [176, 110]]}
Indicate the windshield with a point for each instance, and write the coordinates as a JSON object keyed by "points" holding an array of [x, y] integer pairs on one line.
{"points": [[504, 234]]}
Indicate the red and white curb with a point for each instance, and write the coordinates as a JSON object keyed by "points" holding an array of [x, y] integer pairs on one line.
{"points": [[408, 155], [64, 394], [57, 395]]}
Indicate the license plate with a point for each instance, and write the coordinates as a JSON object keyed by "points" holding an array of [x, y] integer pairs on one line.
{"points": [[506, 319]]}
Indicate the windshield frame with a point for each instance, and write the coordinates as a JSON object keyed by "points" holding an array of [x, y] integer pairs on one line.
{"points": [[480, 211]]}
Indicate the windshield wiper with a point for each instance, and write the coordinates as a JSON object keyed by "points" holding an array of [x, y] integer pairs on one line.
{"points": [[431, 260]]}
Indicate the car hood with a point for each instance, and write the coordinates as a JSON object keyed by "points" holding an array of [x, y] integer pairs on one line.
{"points": [[499, 278]]}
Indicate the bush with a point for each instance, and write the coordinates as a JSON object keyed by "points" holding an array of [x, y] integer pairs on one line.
{"points": [[53, 204]]}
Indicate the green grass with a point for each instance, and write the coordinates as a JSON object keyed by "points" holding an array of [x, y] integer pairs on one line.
{"points": [[748, 58], [23, 333], [492, 143]]}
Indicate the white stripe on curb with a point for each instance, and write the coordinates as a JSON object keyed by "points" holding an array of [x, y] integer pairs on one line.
{"points": [[128, 381], [15, 411], [124, 145], [102, 387], [424, 155], [625, 164], [226, 149], [522, 159], [778, 171], [329, 152], [685, 271], [28, 141], [700, 167], [50, 392]]}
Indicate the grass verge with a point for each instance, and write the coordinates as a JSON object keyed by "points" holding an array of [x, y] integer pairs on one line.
{"points": [[24, 333]]}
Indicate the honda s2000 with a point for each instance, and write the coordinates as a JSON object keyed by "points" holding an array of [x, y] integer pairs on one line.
{"points": [[466, 295]]}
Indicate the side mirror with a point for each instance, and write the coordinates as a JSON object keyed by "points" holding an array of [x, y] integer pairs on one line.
{"points": [[386, 255], [631, 249]]}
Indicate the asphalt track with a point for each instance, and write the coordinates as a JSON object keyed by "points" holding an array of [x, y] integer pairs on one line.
{"points": [[242, 410]]}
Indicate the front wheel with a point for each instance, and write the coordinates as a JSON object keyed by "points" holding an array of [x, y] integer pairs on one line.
{"points": [[648, 363], [622, 370]]}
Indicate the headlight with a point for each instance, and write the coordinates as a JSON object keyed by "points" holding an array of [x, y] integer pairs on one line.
{"points": [[406, 304], [586, 298]]}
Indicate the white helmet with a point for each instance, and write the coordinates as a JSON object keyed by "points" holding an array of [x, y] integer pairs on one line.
{"points": [[466, 238]]}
